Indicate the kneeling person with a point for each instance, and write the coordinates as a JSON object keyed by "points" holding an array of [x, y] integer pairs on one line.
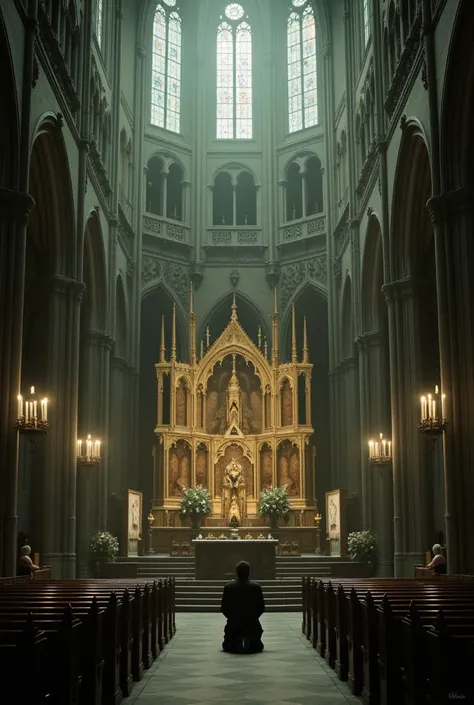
{"points": [[242, 605]]}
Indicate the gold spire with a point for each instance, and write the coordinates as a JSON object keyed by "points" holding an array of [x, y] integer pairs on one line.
{"points": [[192, 327], [294, 353], [275, 329], [202, 349], [208, 337], [305, 341], [173, 334], [265, 348], [259, 338], [162, 344], [234, 308]]}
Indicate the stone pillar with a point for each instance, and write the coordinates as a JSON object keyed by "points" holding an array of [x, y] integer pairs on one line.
{"points": [[409, 466], [304, 204], [55, 517], [350, 473], [15, 208]]}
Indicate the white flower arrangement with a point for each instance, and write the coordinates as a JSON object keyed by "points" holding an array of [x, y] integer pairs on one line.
{"points": [[361, 545], [274, 502], [196, 500], [104, 546]]}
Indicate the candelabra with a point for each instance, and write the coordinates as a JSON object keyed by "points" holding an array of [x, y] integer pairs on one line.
{"points": [[432, 423], [380, 452], [88, 452], [32, 418], [151, 521], [317, 523]]}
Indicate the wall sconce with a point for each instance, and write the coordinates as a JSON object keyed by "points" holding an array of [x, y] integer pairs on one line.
{"points": [[380, 452], [88, 452], [32, 414], [433, 420]]}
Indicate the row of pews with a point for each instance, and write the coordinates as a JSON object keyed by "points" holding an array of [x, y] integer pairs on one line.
{"points": [[394, 640], [82, 642]]}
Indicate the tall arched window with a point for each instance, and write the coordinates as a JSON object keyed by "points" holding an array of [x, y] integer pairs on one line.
{"points": [[302, 83], [99, 17], [166, 67], [366, 22], [234, 76]]}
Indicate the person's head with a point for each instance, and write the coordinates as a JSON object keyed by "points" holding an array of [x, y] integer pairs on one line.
{"points": [[242, 570], [25, 550], [437, 549]]}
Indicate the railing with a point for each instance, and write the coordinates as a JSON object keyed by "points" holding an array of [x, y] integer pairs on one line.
{"points": [[166, 229], [42, 574], [234, 236], [302, 229]]}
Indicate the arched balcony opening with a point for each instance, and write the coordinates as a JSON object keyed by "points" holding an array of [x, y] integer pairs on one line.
{"points": [[246, 199], [154, 186], [294, 192], [223, 200], [174, 192], [314, 186]]}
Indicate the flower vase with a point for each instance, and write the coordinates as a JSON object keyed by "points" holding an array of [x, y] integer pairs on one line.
{"points": [[273, 522], [195, 522]]}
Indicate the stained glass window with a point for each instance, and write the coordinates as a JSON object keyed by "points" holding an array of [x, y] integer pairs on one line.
{"points": [[366, 22], [98, 21], [166, 69], [302, 83], [234, 11], [234, 77]]}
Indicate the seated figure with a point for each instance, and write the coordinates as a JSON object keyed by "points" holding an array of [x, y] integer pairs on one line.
{"points": [[438, 563], [242, 605], [25, 564]]}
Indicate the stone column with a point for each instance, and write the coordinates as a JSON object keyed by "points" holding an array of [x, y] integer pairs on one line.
{"points": [[351, 470], [15, 208], [55, 509], [303, 195]]}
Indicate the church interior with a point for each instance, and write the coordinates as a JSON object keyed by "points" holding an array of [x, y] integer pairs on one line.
{"points": [[237, 323]]}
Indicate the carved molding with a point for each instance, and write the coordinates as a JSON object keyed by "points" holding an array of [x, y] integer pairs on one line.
{"points": [[296, 273], [404, 67], [175, 275]]}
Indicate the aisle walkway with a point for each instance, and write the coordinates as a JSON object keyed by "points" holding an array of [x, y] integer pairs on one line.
{"points": [[193, 669]]}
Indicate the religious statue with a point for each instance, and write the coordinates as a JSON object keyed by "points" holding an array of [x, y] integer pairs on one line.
{"points": [[234, 496]]}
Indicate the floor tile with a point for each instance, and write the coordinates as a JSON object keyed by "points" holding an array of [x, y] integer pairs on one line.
{"points": [[193, 669]]}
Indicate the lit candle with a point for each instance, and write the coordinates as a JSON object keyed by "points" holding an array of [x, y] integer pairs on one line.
{"points": [[434, 408], [371, 449], [97, 449], [27, 410], [390, 449], [45, 409], [88, 447], [79, 448], [32, 390], [20, 406], [384, 443], [423, 408], [443, 397], [436, 389], [430, 414], [35, 410]]}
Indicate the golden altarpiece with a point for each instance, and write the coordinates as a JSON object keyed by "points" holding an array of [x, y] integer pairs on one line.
{"points": [[237, 419]]}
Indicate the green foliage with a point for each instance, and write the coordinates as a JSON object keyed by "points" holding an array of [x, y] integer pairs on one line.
{"points": [[196, 500], [104, 546], [274, 502], [361, 545]]}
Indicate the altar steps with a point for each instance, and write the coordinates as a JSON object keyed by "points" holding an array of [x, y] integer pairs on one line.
{"points": [[205, 595]]}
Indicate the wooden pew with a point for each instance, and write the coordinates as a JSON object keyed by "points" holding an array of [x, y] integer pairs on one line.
{"points": [[117, 632], [361, 628]]}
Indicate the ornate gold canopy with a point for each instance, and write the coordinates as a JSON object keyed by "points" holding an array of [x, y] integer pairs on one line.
{"points": [[234, 403]]}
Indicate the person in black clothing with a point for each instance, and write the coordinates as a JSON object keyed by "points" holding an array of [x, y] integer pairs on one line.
{"points": [[242, 604]]}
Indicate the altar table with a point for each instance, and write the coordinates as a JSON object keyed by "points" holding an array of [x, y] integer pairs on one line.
{"points": [[217, 558]]}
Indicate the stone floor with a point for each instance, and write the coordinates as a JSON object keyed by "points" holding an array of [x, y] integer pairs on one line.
{"points": [[193, 669]]}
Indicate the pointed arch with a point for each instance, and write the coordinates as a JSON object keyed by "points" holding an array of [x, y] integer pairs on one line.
{"points": [[249, 313], [94, 307], [52, 225], [347, 320], [121, 320], [410, 222], [9, 126], [372, 275]]}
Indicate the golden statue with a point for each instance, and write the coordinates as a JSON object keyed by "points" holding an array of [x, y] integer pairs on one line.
{"points": [[234, 495]]}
